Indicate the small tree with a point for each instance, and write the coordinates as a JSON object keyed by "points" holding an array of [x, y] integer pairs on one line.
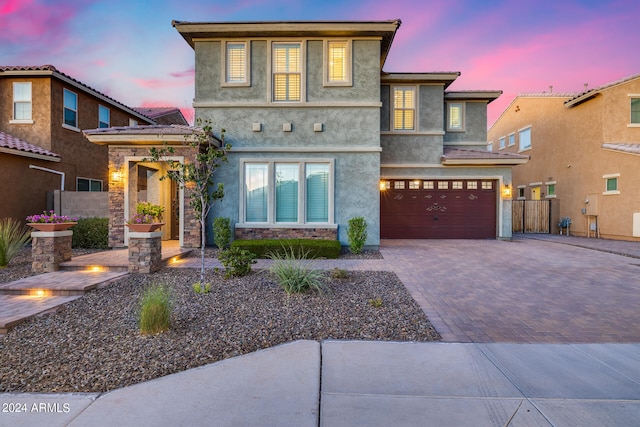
{"points": [[197, 175]]}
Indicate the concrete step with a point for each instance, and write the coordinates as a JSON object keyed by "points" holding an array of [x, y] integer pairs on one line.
{"points": [[15, 309], [59, 283]]}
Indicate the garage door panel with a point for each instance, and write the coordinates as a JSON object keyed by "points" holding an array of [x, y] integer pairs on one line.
{"points": [[448, 209]]}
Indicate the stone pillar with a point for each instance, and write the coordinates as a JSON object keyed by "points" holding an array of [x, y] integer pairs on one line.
{"points": [[49, 249], [145, 252]]}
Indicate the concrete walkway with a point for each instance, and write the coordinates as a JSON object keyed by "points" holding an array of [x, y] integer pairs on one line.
{"points": [[359, 383], [541, 331]]}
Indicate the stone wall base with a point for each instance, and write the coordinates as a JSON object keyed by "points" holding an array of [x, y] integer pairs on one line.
{"points": [[145, 252], [49, 249], [286, 233]]}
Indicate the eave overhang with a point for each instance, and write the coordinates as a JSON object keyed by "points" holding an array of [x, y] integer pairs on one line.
{"points": [[148, 135], [386, 30], [469, 157], [445, 78], [473, 95]]}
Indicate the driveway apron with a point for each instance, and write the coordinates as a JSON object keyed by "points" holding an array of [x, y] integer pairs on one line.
{"points": [[522, 291]]}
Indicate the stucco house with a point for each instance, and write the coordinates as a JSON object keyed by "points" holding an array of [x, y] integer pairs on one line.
{"points": [[321, 134], [42, 113], [584, 150]]}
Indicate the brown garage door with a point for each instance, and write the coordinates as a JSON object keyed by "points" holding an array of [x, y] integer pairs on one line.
{"points": [[438, 209]]}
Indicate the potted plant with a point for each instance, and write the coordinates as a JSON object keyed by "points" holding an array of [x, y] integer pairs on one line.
{"points": [[50, 221], [148, 217]]}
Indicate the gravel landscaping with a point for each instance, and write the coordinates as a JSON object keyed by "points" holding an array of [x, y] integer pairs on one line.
{"points": [[93, 344]]}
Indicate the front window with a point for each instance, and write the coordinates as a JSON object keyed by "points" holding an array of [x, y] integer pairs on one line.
{"points": [[22, 101], [236, 57], [273, 193], [88, 184], [502, 143], [337, 63], [611, 184], [70, 109], [551, 189], [635, 111], [404, 109], [455, 120], [287, 72], [104, 117], [525, 139]]}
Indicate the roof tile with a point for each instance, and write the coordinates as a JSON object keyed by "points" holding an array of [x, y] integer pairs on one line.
{"points": [[10, 141]]}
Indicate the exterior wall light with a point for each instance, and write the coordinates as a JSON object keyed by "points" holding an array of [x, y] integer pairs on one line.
{"points": [[116, 175], [506, 192], [384, 185]]}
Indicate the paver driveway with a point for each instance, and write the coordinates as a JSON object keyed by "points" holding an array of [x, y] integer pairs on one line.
{"points": [[525, 291]]}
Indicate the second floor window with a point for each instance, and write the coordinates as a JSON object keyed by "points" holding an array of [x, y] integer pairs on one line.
{"points": [[70, 109], [455, 119], [287, 72], [103, 117], [337, 63], [236, 63], [635, 111], [22, 101], [525, 139], [404, 108], [502, 142]]}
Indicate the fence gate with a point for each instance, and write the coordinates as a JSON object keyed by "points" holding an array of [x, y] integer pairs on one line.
{"points": [[531, 216]]}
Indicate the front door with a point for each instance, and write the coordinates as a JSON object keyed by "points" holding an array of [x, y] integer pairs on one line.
{"points": [[535, 193]]}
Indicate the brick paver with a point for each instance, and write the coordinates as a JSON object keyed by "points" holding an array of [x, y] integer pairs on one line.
{"points": [[526, 290]]}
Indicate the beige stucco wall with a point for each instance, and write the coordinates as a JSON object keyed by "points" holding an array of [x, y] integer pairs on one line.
{"points": [[566, 147]]}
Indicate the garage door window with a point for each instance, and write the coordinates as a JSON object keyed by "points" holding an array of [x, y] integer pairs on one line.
{"points": [[398, 185], [443, 185], [487, 185], [472, 185], [414, 185], [428, 185], [456, 185]]}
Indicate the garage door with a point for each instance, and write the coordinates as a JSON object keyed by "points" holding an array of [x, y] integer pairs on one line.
{"points": [[438, 209]]}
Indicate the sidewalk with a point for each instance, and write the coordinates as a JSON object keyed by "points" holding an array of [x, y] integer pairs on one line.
{"points": [[355, 383]]}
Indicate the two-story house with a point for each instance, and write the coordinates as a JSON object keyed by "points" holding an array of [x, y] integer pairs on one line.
{"points": [[42, 112], [584, 151], [320, 134]]}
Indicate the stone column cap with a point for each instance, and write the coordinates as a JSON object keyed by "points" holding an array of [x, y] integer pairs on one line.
{"points": [[63, 233]]}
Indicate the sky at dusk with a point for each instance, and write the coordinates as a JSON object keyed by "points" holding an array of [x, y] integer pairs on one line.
{"points": [[129, 50]]}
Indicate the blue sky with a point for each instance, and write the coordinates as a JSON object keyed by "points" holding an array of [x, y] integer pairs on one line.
{"points": [[129, 50]]}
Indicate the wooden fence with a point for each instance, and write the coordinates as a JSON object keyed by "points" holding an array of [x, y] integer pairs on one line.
{"points": [[531, 216]]}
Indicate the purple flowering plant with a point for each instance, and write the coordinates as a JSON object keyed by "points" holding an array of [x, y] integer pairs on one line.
{"points": [[141, 218], [50, 218]]}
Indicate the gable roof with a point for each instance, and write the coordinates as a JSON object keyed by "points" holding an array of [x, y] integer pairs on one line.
{"points": [[590, 94], [11, 145], [50, 70], [192, 31], [623, 148], [465, 156], [161, 114]]}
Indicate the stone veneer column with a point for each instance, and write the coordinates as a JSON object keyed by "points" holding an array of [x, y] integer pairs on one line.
{"points": [[145, 252], [49, 249]]}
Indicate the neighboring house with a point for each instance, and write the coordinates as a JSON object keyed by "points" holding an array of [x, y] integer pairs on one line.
{"points": [[320, 134], [584, 150], [42, 112], [164, 115]]}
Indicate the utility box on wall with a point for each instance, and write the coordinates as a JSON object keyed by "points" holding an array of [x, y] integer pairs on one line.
{"points": [[591, 204], [636, 224]]}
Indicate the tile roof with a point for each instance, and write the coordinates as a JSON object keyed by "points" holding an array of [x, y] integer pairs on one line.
{"points": [[145, 130], [155, 112], [624, 148], [586, 95], [13, 143], [50, 69], [454, 155]]}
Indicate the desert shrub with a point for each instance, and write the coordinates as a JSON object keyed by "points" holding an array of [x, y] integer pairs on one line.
{"points": [[294, 274], [13, 237], [222, 232], [357, 234], [199, 289], [237, 262], [91, 233], [308, 247], [339, 273], [155, 311]]}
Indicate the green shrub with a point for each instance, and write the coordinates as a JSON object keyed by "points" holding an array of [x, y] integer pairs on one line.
{"points": [[236, 261], [155, 312], [357, 234], [376, 302], [294, 274], [222, 232], [308, 247], [339, 273], [199, 289], [91, 233], [13, 237]]}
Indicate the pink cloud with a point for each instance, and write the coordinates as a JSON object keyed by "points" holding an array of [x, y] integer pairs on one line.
{"points": [[186, 73]]}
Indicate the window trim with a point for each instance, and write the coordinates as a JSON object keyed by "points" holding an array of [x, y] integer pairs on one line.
{"points": [[348, 81], [303, 71], [271, 192], [64, 107], [547, 185], [606, 178], [90, 181], [511, 139], [502, 143], [520, 148], [414, 109], [108, 110], [462, 105], [247, 64], [14, 120]]}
